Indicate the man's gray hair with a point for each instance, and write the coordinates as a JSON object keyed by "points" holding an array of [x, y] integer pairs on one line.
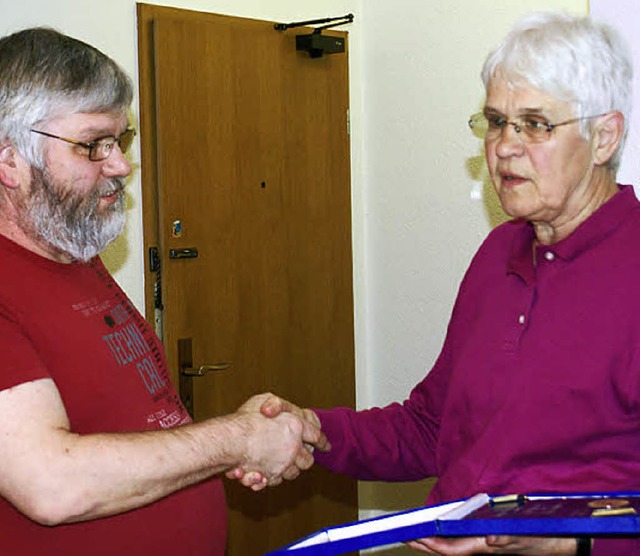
{"points": [[45, 74], [574, 59]]}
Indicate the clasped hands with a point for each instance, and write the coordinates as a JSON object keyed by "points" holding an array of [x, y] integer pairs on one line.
{"points": [[280, 440], [274, 458]]}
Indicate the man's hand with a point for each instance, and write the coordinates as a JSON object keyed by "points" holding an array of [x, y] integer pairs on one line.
{"points": [[275, 408], [272, 409], [271, 406], [495, 544], [273, 447]]}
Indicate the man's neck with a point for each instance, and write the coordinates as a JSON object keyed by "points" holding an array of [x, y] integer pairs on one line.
{"points": [[15, 233]]}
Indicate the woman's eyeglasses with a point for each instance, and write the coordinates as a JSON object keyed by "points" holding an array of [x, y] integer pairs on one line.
{"points": [[530, 129]]}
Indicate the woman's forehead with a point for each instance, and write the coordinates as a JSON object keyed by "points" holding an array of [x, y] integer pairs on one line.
{"points": [[503, 94]]}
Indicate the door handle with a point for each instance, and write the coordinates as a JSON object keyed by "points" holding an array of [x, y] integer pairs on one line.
{"points": [[205, 369], [187, 372]]}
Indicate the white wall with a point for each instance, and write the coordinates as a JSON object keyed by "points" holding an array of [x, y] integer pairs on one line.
{"points": [[426, 208], [625, 15]]}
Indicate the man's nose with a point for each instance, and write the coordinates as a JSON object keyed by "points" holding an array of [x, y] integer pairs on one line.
{"points": [[116, 164]]}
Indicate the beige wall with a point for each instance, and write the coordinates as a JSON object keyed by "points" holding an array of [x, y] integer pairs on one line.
{"points": [[625, 16], [421, 204], [428, 204]]}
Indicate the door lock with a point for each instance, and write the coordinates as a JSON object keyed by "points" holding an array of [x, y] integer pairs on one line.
{"points": [[186, 253]]}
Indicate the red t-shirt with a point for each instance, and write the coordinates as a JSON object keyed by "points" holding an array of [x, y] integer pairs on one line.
{"points": [[73, 324]]}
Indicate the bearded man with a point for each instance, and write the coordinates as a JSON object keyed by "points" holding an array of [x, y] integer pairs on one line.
{"points": [[98, 455]]}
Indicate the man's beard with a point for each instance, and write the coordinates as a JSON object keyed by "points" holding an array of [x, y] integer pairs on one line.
{"points": [[71, 222]]}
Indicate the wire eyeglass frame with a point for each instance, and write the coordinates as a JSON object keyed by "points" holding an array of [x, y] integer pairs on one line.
{"points": [[536, 129], [100, 148]]}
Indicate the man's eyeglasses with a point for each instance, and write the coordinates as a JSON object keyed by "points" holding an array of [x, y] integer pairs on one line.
{"points": [[100, 148], [530, 129]]}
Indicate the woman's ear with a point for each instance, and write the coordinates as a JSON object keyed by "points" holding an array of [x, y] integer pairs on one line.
{"points": [[607, 134]]}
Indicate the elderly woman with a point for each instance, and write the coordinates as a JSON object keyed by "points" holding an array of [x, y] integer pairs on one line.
{"points": [[537, 387]]}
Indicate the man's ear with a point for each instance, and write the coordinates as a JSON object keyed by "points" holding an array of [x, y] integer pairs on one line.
{"points": [[607, 135], [9, 166]]}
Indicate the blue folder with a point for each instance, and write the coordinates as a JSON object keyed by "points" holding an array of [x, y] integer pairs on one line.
{"points": [[590, 514]]}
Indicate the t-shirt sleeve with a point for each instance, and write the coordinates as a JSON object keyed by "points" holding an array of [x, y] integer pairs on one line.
{"points": [[19, 362]]}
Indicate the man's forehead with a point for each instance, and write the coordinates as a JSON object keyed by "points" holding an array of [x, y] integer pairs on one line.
{"points": [[107, 123]]}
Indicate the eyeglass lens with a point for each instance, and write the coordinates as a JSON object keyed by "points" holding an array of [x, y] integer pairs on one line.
{"points": [[103, 147], [528, 129]]}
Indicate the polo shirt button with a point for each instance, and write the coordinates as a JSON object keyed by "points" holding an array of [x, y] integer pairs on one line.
{"points": [[549, 256], [521, 319]]}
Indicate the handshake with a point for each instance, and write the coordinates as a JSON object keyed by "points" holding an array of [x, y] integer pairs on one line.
{"points": [[277, 440]]}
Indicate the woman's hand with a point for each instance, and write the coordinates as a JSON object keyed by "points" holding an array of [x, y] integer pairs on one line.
{"points": [[495, 544]]}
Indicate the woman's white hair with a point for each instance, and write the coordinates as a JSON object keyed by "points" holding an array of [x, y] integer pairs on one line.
{"points": [[575, 59]]}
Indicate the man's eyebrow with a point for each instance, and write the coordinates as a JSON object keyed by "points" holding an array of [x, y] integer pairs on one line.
{"points": [[93, 133]]}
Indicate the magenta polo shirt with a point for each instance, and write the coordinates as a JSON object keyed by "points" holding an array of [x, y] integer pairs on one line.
{"points": [[537, 387]]}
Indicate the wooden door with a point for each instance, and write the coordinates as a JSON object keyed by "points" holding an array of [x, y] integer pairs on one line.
{"points": [[246, 162]]}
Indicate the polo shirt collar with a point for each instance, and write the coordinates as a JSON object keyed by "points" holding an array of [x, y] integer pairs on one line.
{"points": [[591, 232]]}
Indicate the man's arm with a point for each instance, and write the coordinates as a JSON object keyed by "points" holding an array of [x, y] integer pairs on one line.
{"points": [[55, 476]]}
